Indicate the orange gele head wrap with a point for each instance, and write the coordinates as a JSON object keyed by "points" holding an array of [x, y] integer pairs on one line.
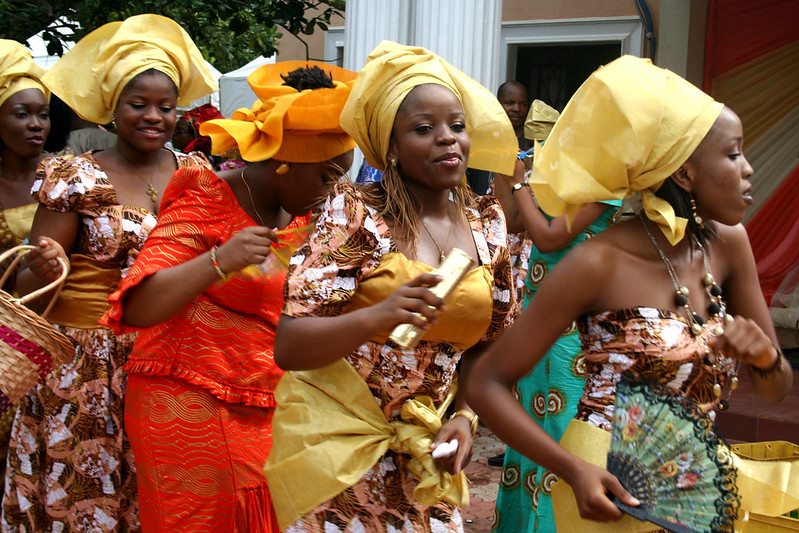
{"points": [[284, 123]]}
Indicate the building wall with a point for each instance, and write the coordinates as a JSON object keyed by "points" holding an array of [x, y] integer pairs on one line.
{"points": [[679, 28]]}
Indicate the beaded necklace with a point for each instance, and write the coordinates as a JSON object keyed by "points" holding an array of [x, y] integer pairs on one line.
{"points": [[717, 308]]}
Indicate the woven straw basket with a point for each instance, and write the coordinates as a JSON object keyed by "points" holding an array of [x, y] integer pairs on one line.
{"points": [[29, 346]]}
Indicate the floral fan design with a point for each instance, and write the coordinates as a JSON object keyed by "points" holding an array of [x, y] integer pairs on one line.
{"points": [[665, 453]]}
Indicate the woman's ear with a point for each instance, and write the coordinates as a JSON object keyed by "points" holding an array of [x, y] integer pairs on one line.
{"points": [[682, 177]]}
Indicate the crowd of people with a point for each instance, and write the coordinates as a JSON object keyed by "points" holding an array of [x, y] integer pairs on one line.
{"points": [[232, 296]]}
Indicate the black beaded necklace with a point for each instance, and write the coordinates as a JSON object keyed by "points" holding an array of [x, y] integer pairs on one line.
{"points": [[716, 308]]}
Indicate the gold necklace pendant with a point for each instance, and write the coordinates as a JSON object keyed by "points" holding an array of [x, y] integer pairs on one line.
{"points": [[152, 192]]}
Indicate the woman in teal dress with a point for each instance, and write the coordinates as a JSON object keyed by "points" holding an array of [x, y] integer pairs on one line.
{"points": [[551, 391]]}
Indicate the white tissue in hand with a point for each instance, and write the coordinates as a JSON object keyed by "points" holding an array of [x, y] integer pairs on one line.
{"points": [[445, 448]]}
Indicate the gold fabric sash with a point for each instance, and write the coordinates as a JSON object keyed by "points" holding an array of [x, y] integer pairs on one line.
{"points": [[328, 428], [767, 488], [84, 298]]}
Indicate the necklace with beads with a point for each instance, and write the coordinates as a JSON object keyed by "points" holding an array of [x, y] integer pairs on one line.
{"points": [[717, 308]]}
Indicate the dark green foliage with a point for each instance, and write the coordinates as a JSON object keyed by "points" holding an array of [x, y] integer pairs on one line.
{"points": [[229, 33]]}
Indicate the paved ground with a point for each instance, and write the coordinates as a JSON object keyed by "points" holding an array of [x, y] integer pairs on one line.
{"points": [[484, 482]]}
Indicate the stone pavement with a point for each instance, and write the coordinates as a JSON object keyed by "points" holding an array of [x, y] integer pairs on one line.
{"points": [[484, 482]]}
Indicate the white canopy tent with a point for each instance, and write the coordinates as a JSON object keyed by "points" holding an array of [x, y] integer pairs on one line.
{"points": [[234, 90]]}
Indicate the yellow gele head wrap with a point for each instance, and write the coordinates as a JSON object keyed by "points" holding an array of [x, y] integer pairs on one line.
{"points": [[18, 71], [628, 128], [391, 71], [91, 76], [287, 124], [540, 120]]}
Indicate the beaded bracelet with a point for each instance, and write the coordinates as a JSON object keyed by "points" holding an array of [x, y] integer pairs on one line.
{"points": [[217, 268], [468, 415], [774, 370]]}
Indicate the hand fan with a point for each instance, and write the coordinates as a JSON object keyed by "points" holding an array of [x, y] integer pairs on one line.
{"points": [[665, 452]]}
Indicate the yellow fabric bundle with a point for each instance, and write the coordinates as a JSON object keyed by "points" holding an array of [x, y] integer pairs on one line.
{"points": [[327, 428], [628, 128], [18, 71], [286, 124], [390, 72], [540, 120], [91, 76]]}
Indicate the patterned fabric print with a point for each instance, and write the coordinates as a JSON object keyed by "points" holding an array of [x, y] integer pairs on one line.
{"points": [[218, 485], [21, 219], [652, 344], [550, 393], [519, 247], [70, 467], [344, 249]]}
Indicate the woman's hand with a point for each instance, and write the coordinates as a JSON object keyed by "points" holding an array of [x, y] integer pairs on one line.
{"points": [[250, 246], [458, 428], [404, 304], [43, 262], [591, 485], [743, 339]]}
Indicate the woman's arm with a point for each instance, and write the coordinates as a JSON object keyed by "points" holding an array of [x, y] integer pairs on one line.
{"points": [[163, 294], [309, 342], [523, 214], [751, 337], [53, 233], [569, 290]]}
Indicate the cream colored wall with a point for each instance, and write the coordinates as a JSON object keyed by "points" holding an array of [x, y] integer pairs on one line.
{"points": [[568, 9], [679, 28]]}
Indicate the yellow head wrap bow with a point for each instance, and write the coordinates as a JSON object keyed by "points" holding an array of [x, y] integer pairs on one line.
{"points": [[18, 71], [287, 124], [391, 71], [540, 120], [628, 128], [91, 76]]}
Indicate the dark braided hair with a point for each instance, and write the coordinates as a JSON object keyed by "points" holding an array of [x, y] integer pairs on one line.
{"points": [[308, 78]]}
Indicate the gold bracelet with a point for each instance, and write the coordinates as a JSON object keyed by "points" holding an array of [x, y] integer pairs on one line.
{"points": [[468, 415], [217, 268]]}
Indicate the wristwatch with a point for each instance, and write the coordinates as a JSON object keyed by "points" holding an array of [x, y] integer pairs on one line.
{"points": [[517, 186]]}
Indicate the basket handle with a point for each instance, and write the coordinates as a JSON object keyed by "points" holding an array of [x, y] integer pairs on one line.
{"points": [[57, 284]]}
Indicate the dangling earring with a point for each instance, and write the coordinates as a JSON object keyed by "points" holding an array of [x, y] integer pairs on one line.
{"points": [[392, 163], [697, 219], [282, 169], [114, 122]]}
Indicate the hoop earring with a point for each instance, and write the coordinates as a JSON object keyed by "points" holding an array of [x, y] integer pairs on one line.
{"points": [[697, 219], [282, 169]]}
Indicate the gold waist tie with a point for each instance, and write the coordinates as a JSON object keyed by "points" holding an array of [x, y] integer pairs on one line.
{"points": [[84, 298], [327, 427]]}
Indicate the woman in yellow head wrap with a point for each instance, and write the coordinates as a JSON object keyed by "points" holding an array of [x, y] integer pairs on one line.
{"points": [[362, 422], [653, 296], [551, 392], [24, 125], [71, 466], [205, 294]]}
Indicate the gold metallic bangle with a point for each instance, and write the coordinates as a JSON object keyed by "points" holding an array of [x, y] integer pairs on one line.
{"points": [[470, 416], [217, 268]]}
